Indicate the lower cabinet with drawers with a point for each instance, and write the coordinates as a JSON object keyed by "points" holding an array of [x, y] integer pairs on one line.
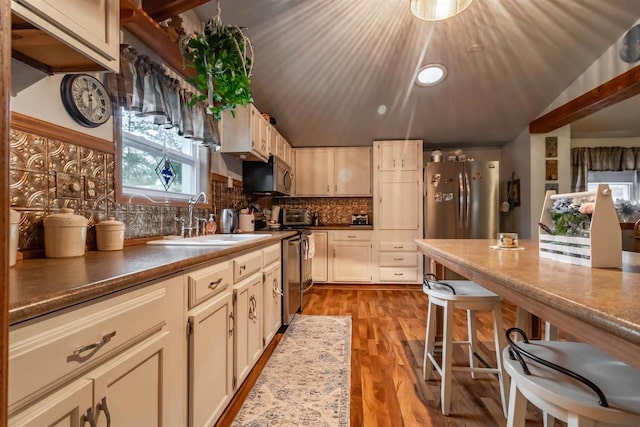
{"points": [[104, 363], [398, 259], [124, 359]]}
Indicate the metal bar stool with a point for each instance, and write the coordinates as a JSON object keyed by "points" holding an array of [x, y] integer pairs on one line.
{"points": [[573, 382], [461, 295]]}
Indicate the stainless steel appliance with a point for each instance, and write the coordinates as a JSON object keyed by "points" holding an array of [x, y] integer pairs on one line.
{"points": [[359, 219], [291, 298], [296, 218], [228, 221], [271, 178], [462, 200]]}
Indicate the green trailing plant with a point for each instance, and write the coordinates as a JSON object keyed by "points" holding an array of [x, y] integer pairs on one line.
{"points": [[223, 57]]}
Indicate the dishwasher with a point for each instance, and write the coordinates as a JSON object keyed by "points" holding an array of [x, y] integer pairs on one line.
{"points": [[291, 278]]}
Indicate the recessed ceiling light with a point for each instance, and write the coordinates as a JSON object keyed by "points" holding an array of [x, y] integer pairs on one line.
{"points": [[382, 109], [431, 74]]}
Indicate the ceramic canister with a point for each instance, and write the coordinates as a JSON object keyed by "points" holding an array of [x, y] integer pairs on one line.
{"points": [[110, 235], [247, 223], [14, 220], [65, 234]]}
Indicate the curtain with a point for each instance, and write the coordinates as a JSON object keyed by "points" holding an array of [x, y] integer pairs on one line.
{"points": [[585, 159], [145, 87]]}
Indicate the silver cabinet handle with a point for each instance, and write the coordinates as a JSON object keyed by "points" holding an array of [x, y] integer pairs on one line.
{"points": [[243, 267], [352, 237], [398, 274], [215, 283], [328, 188], [398, 247], [102, 406], [96, 345], [398, 259], [89, 418], [276, 288], [232, 320]]}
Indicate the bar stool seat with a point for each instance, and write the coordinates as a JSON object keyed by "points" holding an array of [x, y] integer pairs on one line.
{"points": [[471, 297], [566, 398]]}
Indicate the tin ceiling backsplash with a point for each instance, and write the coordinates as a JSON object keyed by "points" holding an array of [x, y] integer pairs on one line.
{"points": [[332, 211]]}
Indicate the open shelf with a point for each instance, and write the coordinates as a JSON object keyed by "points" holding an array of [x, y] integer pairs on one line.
{"points": [[144, 28]]}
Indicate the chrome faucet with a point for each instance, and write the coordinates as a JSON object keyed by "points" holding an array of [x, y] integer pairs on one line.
{"points": [[202, 197]]}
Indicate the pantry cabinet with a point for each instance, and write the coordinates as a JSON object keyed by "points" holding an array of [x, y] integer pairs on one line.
{"points": [[333, 171], [89, 27], [398, 211]]}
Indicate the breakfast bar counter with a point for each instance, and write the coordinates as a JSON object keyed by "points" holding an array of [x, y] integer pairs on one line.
{"points": [[599, 306]]}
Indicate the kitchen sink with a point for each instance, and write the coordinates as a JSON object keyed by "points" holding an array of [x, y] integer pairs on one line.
{"points": [[212, 240]]}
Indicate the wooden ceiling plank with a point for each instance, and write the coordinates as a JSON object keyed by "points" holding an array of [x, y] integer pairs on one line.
{"points": [[615, 90], [160, 10]]}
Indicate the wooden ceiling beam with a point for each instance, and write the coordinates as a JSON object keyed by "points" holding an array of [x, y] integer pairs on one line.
{"points": [[615, 90], [160, 10]]}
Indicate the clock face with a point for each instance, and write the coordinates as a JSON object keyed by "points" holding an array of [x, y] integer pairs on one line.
{"points": [[630, 46], [85, 99]]}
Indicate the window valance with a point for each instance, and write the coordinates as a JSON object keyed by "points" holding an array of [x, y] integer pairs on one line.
{"points": [[584, 159], [144, 86]]}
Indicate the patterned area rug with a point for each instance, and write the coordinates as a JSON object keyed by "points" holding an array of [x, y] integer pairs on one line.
{"points": [[306, 382]]}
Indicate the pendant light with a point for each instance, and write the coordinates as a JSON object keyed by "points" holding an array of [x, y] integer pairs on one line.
{"points": [[436, 10]]}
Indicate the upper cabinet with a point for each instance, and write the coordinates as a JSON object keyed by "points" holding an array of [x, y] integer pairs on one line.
{"points": [[246, 135], [399, 155], [66, 36], [333, 171]]}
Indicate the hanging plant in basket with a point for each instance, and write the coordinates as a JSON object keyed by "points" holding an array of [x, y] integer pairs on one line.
{"points": [[223, 58]]}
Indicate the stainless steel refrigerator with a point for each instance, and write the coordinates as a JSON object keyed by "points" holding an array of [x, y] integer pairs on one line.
{"points": [[462, 200]]}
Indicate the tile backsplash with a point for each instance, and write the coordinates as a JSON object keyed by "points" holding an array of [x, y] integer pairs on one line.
{"points": [[48, 174], [333, 210]]}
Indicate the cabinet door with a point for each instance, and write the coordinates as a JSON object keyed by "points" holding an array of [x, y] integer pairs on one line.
{"points": [[408, 155], [131, 388], [256, 127], [210, 360], [319, 267], [89, 26], [398, 204], [314, 174], [351, 261], [386, 159], [248, 327], [272, 301], [69, 406], [352, 171]]}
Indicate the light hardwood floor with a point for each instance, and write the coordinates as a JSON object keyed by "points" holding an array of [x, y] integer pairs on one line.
{"points": [[387, 388]]}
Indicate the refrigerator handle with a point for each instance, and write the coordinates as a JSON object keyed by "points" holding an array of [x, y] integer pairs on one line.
{"points": [[461, 198], [467, 203]]}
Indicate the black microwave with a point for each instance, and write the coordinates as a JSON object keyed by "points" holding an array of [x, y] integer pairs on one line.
{"points": [[267, 179]]}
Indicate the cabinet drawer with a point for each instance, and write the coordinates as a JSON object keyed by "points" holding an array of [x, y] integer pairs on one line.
{"points": [[208, 281], [398, 246], [398, 259], [271, 254], [245, 265], [390, 274], [80, 339], [352, 235]]}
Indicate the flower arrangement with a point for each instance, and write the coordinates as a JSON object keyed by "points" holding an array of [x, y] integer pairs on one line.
{"points": [[628, 210], [572, 217]]}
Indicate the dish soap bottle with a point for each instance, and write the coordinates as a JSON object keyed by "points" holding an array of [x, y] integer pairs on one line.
{"points": [[211, 226]]}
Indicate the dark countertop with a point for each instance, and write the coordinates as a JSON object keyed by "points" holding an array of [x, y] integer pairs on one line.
{"points": [[43, 285]]}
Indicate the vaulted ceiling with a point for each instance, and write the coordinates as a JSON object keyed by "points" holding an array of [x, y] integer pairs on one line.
{"points": [[324, 68]]}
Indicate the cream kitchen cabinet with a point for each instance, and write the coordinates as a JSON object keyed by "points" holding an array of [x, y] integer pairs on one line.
{"points": [[271, 292], [247, 295], [397, 211], [117, 354], [246, 135], [280, 147], [210, 334], [319, 262], [399, 155], [333, 171], [91, 28], [351, 256]]}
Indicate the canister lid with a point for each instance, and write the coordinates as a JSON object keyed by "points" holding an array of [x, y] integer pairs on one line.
{"points": [[110, 224], [66, 218], [14, 216]]}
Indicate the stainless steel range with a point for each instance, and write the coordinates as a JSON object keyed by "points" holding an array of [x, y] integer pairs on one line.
{"points": [[296, 273]]}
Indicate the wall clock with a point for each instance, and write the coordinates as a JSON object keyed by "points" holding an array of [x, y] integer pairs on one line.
{"points": [[630, 46], [85, 99]]}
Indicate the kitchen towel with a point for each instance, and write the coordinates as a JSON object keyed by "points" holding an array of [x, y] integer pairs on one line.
{"points": [[311, 250]]}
